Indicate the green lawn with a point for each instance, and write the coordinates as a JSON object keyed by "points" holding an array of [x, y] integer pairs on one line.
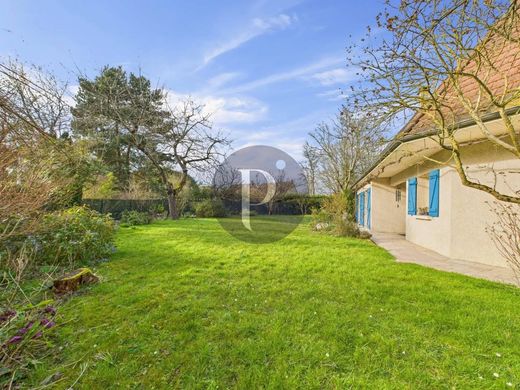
{"points": [[185, 305]]}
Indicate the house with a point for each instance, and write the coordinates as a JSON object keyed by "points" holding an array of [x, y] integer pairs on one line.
{"points": [[413, 189]]}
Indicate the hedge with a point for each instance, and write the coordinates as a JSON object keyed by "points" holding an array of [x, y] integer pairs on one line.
{"points": [[290, 205]]}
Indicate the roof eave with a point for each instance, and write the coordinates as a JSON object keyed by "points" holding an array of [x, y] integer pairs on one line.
{"points": [[394, 144]]}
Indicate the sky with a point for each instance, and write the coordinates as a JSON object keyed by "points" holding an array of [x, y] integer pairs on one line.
{"points": [[268, 70]]}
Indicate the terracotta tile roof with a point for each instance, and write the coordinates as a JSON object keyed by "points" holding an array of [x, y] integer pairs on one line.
{"points": [[501, 76]]}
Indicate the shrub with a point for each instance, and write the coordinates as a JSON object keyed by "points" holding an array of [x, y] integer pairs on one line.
{"points": [[157, 209], [74, 236], [134, 217], [334, 217], [210, 209]]}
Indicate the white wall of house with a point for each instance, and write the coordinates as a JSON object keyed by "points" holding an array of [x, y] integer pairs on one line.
{"points": [[433, 232], [471, 208], [388, 213], [464, 213]]}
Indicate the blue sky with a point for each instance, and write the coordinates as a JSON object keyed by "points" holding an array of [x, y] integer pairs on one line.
{"points": [[269, 70]]}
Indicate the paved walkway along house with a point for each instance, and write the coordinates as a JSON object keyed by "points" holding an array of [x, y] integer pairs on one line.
{"points": [[408, 252]]}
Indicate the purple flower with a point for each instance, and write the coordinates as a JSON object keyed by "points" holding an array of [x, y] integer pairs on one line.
{"points": [[37, 335], [50, 310], [47, 323], [7, 315], [26, 328], [14, 340]]}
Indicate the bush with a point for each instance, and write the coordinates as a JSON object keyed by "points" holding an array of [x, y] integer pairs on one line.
{"points": [[73, 236], [116, 206], [210, 209], [133, 218], [334, 217]]}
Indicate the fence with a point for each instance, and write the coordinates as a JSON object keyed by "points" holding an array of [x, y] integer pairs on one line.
{"points": [[287, 206]]}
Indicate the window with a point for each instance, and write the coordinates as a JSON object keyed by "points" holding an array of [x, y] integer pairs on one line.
{"points": [[423, 194]]}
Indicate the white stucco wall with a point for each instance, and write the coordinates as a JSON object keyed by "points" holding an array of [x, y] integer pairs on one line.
{"points": [[388, 215], [471, 207], [464, 213], [434, 232]]}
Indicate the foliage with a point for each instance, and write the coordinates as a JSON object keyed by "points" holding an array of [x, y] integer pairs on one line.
{"points": [[302, 204], [109, 112], [310, 311], [74, 236], [133, 218], [157, 209], [116, 207], [185, 141], [210, 208], [24, 332], [103, 188], [336, 216], [129, 126]]}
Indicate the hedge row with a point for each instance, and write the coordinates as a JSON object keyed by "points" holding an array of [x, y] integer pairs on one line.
{"points": [[290, 205]]}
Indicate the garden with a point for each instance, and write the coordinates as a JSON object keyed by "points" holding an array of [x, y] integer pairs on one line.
{"points": [[182, 304], [134, 254]]}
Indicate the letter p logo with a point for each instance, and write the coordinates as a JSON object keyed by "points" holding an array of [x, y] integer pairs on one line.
{"points": [[246, 193]]}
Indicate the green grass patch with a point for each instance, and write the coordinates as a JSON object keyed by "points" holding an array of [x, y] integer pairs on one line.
{"points": [[185, 305]]}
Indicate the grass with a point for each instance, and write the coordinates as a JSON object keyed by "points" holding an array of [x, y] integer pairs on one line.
{"points": [[185, 305]]}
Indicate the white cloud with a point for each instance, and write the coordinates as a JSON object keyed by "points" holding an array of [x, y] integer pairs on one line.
{"points": [[288, 136], [291, 145], [306, 71], [70, 95], [334, 76], [222, 79], [225, 110], [257, 27]]}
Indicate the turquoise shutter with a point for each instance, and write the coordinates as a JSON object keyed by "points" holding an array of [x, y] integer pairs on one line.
{"points": [[412, 196], [357, 208], [362, 209], [434, 193], [369, 206]]}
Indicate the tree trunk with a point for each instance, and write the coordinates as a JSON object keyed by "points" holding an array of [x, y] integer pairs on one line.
{"points": [[173, 210]]}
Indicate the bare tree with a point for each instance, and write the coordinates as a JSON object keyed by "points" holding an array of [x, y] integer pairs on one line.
{"points": [[310, 166], [34, 98], [439, 63], [346, 148], [505, 233], [185, 141]]}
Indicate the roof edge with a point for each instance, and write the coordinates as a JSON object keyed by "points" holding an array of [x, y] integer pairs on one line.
{"points": [[397, 141]]}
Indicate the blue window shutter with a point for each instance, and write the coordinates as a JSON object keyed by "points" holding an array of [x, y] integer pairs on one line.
{"points": [[412, 196], [357, 208], [362, 209], [434, 193], [369, 206]]}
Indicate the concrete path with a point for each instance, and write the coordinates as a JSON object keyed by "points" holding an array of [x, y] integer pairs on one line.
{"points": [[407, 252]]}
